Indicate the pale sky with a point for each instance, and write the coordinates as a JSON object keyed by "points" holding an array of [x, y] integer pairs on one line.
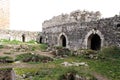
{"points": [[29, 14]]}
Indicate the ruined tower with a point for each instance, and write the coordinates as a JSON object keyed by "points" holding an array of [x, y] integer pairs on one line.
{"points": [[4, 14]]}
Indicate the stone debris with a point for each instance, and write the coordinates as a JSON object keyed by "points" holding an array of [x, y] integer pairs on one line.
{"points": [[17, 62], [74, 64], [80, 64]]}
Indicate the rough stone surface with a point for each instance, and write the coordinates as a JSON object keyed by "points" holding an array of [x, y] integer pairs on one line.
{"points": [[75, 16], [78, 33], [18, 35]]}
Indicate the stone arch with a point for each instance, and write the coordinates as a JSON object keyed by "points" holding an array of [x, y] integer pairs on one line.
{"points": [[94, 40], [118, 25], [63, 40], [40, 39], [23, 37]]}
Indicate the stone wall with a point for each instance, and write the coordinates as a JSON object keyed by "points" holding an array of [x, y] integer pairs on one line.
{"points": [[77, 33], [4, 14], [75, 16], [18, 35]]}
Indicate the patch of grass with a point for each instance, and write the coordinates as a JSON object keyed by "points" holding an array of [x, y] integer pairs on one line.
{"points": [[34, 47], [108, 63], [6, 59], [49, 73], [43, 47], [32, 58], [111, 52], [1, 46], [32, 42], [15, 42], [8, 53], [6, 69], [5, 41]]}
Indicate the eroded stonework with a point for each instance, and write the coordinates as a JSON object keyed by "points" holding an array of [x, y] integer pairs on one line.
{"points": [[92, 34], [23, 36]]}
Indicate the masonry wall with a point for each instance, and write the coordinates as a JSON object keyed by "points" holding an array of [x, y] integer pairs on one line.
{"points": [[17, 35], [76, 32]]}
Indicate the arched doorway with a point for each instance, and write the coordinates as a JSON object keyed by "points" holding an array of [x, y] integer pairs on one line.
{"points": [[94, 42], [23, 37], [40, 40], [62, 41]]}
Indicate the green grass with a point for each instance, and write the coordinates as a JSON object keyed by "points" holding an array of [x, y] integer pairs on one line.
{"points": [[53, 70], [32, 58], [6, 59], [1, 46], [109, 66], [32, 42], [110, 69], [43, 47], [8, 53], [50, 73], [5, 41]]}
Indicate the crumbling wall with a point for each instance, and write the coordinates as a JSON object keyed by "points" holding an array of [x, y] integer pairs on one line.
{"points": [[17, 35], [75, 16], [109, 29]]}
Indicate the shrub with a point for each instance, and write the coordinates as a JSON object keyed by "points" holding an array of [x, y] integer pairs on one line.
{"points": [[109, 52], [1, 46], [43, 47], [7, 53], [6, 59]]}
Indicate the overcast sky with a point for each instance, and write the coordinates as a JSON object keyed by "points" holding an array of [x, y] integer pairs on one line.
{"points": [[29, 14]]}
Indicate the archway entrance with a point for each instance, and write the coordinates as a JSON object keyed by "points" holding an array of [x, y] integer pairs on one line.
{"points": [[63, 41], [40, 40], [94, 42], [23, 37]]}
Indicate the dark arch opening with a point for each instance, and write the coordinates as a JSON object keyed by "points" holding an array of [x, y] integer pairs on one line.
{"points": [[63, 41], [23, 37], [71, 77], [40, 40], [94, 42], [118, 25]]}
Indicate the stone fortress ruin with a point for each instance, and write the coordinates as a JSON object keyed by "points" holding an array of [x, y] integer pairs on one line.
{"points": [[81, 29], [77, 30]]}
